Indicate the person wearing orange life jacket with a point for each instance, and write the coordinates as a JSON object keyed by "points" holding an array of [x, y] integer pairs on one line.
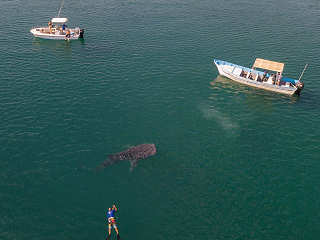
{"points": [[68, 35], [112, 221]]}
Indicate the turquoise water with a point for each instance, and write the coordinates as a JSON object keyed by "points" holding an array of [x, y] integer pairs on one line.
{"points": [[232, 163]]}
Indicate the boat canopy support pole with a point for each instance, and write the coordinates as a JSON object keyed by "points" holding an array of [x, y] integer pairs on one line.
{"points": [[305, 67]]}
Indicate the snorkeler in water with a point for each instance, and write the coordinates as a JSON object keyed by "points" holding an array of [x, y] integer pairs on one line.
{"points": [[112, 221]]}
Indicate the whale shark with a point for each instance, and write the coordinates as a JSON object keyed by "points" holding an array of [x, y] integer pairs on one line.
{"points": [[132, 154]]}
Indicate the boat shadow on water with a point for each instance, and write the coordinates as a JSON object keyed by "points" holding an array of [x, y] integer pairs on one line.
{"points": [[65, 47], [56, 44]]}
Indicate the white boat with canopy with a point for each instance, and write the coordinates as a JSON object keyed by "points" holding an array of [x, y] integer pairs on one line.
{"points": [[264, 74], [58, 30]]}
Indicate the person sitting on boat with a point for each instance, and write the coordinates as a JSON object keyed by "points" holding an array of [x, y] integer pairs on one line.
{"points": [[259, 78], [64, 26], [242, 73], [265, 76], [250, 76]]}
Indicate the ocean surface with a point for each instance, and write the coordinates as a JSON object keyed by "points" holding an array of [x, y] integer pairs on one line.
{"points": [[232, 162]]}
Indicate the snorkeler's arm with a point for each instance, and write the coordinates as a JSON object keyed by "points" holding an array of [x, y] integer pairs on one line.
{"points": [[114, 207]]}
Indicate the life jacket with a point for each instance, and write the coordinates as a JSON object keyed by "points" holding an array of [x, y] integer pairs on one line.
{"points": [[111, 220]]}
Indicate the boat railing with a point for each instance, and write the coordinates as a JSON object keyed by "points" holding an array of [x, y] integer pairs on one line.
{"points": [[221, 62]]}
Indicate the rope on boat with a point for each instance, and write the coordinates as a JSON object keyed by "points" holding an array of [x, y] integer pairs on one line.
{"points": [[60, 8]]}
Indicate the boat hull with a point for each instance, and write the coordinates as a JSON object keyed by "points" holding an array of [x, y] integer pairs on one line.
{"points": [[228, 70], [75, 34]]}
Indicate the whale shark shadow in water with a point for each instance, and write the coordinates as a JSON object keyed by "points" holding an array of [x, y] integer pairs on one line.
{"points": [[226, 122], [132, 154]]}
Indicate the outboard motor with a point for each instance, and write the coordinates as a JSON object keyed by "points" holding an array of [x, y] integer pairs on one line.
{"points": [[300, 86], [81, 33]]}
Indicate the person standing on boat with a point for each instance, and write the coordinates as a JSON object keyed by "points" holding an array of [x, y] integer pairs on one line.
{"points": [[50, 26], [63, 29], [112, 221], [278, 78]]}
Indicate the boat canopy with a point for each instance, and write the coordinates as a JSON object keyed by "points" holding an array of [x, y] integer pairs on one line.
{"points": [[59, 20], [268, 65]]}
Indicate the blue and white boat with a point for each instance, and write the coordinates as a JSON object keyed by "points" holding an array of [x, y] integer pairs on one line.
{"points": [[264, 74]]}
